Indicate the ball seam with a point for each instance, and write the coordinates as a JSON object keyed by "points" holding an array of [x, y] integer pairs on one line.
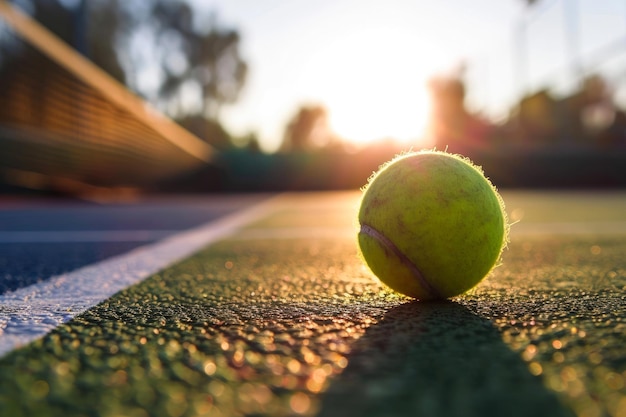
{"points": [[387, 243]]}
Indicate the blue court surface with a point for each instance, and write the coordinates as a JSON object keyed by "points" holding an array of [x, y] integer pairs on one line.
{"points": [[258, 305]]}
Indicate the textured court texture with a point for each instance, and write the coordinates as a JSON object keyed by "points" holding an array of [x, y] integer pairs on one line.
{"points": [[283, 319]]}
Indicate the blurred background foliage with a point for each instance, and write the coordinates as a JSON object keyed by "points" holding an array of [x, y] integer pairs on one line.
{"points": [[186, 67], [189, 66]]}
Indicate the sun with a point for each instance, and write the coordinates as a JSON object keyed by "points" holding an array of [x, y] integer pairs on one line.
{"points": [[372, 96], [384, 115]]}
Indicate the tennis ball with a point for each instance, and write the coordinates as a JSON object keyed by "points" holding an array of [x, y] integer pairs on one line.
{"points": [[432, 226]]}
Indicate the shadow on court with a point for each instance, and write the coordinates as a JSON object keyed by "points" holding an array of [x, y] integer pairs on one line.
{"points": [[436, 359]]}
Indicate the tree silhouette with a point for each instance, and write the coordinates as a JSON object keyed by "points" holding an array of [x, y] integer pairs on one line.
{"points": [[308, 129], [195, 69], [451, 125], [200, 61]]}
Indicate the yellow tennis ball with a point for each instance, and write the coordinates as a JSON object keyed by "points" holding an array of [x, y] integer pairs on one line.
{"points": [[432, 226]]}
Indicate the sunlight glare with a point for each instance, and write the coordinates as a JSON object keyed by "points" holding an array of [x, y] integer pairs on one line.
{"points": [[362, 120], [374, 87]]}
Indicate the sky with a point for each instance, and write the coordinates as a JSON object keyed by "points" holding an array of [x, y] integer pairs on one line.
{"points": [[368, 61]]}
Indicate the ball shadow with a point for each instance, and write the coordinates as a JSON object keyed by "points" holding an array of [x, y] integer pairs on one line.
{"points": [[436, 359]]}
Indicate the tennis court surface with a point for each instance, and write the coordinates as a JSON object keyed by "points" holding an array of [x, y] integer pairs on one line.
{"points": [[266, 309]]}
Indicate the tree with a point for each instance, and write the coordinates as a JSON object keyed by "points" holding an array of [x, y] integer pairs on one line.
{"points": [[208, 130], [308, 129], [451, 125], [200, 65], [195, 68]]}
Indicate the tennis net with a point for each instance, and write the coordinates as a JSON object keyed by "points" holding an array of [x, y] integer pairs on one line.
{"points": [[64, 122]]}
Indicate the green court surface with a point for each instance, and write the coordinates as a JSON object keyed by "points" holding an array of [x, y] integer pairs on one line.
{"points": [[283, 319]]}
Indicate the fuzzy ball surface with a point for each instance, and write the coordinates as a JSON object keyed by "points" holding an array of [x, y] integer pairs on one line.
{"points": [[432, 226]]}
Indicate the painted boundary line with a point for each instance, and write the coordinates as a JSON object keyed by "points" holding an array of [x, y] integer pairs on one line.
{"points": [[31, 312]]}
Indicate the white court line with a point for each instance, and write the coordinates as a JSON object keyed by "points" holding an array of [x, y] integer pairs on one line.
{"points": [[70, 236], [31, 312]]}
